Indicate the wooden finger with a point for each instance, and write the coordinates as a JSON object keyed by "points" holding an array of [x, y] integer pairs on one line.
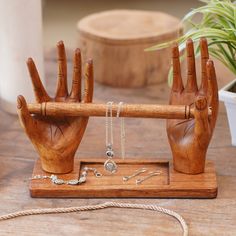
{"points": [[88, 87], [76, 81], [62, 90], [204, 58], [213, 92], [201, 128], [177, 85], [191, 75], [39, 90], [25, 118]]}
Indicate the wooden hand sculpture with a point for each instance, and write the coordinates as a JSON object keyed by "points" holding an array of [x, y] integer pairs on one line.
{"points": [[189, 139], [57, 138]]}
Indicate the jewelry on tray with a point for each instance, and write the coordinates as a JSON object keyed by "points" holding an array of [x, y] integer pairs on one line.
{"points": [[137, 172], [109, 164], [150, 175], [82, 179]]}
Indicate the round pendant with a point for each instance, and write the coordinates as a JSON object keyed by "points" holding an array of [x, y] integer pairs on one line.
{"points": [[110, 166]]}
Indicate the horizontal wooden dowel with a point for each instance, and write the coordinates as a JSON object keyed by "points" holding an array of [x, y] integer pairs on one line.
{"points": [[127, 110]]}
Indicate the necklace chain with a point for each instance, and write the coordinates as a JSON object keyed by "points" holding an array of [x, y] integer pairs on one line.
{"points": [[82, 179], [109, 128], [109, 164], [122, 129], [109, 125]]}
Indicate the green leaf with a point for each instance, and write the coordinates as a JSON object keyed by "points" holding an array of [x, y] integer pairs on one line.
{"points": [[218, 25]]}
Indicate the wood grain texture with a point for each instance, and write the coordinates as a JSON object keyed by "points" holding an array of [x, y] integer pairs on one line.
{"points": [[146, 138], [121, 45], [57, 138], [128, 110], [189, 139], [168, 184]]}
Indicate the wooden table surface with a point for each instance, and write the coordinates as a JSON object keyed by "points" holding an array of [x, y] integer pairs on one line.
{"points": [[144, 138]]}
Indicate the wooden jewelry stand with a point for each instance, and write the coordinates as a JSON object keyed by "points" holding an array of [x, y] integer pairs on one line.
{"points": [[191, 120], [170, 184]]}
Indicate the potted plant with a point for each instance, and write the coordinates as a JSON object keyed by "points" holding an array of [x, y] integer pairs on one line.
{"points": [[228, 96], [218, 25]]}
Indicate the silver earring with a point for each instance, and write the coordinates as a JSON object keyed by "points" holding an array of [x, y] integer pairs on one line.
{"points": [[150, 175], [109, 164], [137, 172]]}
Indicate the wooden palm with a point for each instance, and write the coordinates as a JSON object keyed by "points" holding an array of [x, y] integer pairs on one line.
{"points": [[189, 139], [57, 138]]}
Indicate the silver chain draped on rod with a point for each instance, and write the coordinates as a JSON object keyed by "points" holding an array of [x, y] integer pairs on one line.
{"points": [[109, 125], [97, 207], [122, 130]]}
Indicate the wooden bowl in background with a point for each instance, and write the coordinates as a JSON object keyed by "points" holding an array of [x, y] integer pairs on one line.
{"points": [[116, 41]]}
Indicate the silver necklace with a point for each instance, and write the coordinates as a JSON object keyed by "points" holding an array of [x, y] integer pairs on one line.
{"points": [[122, 129], [82, 179], [109, 164]]}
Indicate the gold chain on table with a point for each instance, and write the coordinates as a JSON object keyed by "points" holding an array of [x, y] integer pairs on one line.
{"points": [[97, 207]]}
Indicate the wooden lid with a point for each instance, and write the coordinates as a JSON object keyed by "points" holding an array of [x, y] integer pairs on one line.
{"points": [[128, 25]]}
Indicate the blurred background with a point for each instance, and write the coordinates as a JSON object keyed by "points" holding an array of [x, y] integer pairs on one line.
{"points": [[33, 28], [60, 17]]}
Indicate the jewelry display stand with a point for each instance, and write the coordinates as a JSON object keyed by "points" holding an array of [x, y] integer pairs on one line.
{"points": [[190, 124]]}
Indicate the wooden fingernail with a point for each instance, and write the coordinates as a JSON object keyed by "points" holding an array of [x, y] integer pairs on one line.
{"points": [[19, 102], [201, 103]]}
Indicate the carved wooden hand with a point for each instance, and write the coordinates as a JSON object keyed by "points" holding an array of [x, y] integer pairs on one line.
{"points": [[189, 139], [57, 138]]}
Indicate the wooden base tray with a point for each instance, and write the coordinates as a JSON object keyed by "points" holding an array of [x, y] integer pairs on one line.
{"points": [[169, 184]]}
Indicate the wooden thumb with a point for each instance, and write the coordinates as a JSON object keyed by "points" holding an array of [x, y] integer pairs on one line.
{"points": [[23, 113]]}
